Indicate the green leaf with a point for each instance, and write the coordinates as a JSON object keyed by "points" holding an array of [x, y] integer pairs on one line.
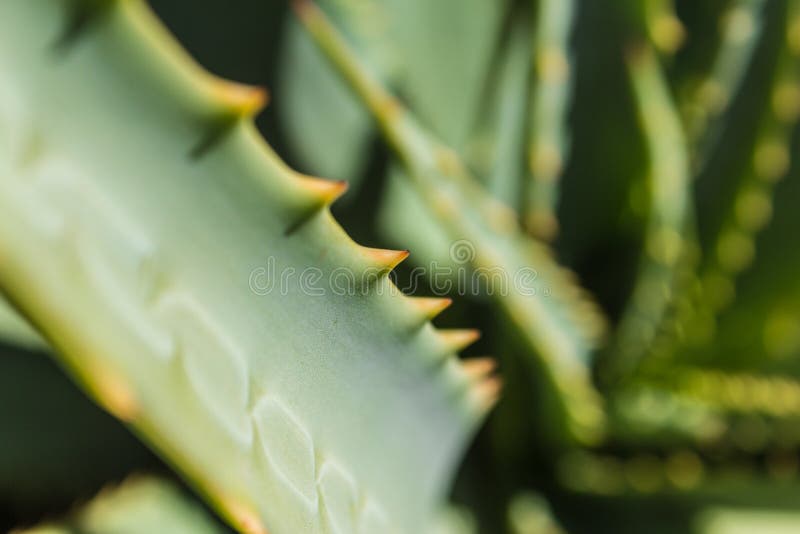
{"points": [[429, 50], [146, 230], [554, 318]]}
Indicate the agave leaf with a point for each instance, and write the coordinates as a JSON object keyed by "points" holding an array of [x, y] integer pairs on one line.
{"points": [[136, 191]]}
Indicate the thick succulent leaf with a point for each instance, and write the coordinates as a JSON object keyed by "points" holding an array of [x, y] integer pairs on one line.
{"points": [[454, 520], [602, 203], [704, 408], [430, 50], [404, 218], [529, 513], [137, 192], [697, 295], [139, 506], [496, 149], [665, 511], [735, 318], [710, 95], [659, 22], [745, 521], [326, 127], [683, 479], [550, 98], [647, 415], [668, 220], [555, 319], [760, 329], [447, 47]]}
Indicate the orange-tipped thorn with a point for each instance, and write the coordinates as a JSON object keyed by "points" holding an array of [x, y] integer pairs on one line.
{"points": [[384, 259], [327, 191], [458, 340], [430, 307], [244, 100], [488, 392], [479, 368], [115, 395]]}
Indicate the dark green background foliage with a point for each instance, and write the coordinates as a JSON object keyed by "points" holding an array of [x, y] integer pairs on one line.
{"points": [[56, 448]]}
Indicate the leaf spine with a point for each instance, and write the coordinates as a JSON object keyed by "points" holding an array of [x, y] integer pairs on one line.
{"points": [[458, 340]]}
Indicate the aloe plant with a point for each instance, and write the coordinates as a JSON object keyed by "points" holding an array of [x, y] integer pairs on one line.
{"points": [[598, 186], [276, 399]]}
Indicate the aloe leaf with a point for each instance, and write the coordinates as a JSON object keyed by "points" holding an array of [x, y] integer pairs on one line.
{"points": [[668, 221], [710, 97], [742, 521], [731, 288], [750, 208], [138, 506], [447, 47], [688, 482], [692, 310], [454, 520], [751, 412], [403, 216], [529, 513], [655, 417], [660, 23], [747, 393], [702, 120], [746, 411], [706, 290], [551, 94], [405, 44], [496, 148], [136, 191], [557, 322], [325, 125]]}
